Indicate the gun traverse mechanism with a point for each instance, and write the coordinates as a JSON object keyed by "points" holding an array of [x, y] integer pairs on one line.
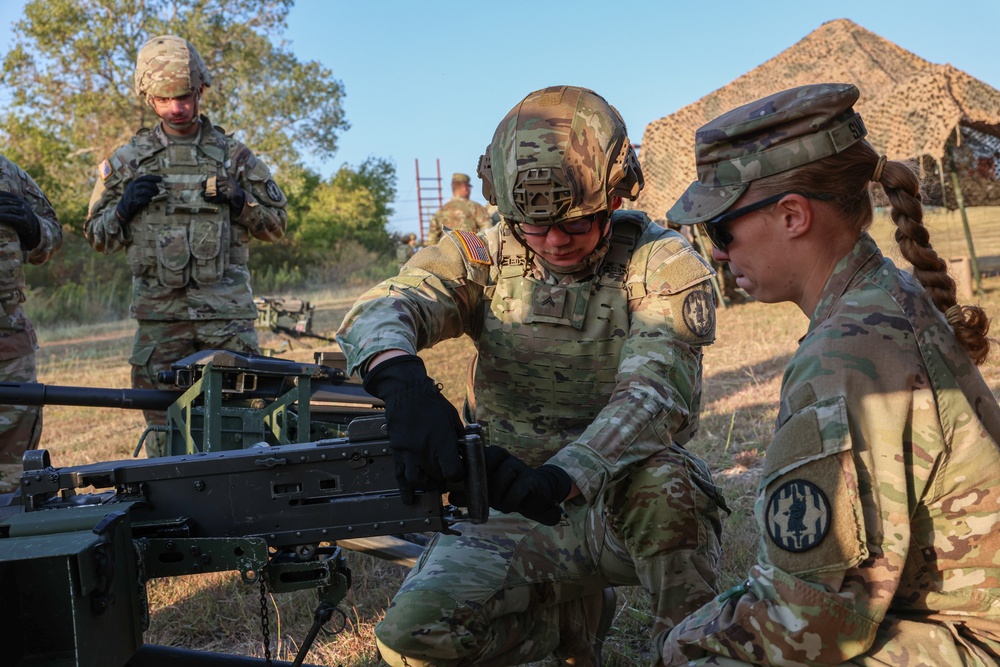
{"points": [[74, 563]]}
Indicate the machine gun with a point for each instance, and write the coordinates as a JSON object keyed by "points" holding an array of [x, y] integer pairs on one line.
{"points": [[223, 400], [287, 316], [74, 564]]}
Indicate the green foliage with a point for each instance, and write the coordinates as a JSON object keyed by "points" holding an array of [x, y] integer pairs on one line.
{"points": [[353, 204], [77, 286], [70, 77], [69, 74]]}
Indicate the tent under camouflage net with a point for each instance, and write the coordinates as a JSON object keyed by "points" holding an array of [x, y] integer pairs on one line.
{"points": [[913, 109]]}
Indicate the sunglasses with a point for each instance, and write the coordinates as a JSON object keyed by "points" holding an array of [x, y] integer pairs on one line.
{"points": [[571, 227], [717, 229]]}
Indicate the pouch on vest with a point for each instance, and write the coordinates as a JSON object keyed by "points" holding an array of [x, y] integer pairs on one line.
{"points": [[172, 255], [210, 250]]}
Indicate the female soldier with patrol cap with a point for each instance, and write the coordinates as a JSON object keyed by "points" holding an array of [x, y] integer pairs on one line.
{"points": [[878, 507], [589, 325]]}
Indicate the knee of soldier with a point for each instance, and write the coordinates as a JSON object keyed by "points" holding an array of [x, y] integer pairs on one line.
{"points": [[424, 628], [670, 504]]}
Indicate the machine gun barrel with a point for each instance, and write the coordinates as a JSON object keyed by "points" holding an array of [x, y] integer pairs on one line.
{"points": [[35, 393]]}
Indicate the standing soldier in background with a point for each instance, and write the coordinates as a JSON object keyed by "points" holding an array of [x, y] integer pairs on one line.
{"points": [[406, 249], [460, 212], [183, 200], [29, 232]]}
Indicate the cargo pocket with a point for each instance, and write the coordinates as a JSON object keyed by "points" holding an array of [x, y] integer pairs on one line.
{"points": [[810, 510], [172, 256], [210, 250]]}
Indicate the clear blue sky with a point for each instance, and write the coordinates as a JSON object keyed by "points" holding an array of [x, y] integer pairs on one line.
{"points": [[431, 80]]}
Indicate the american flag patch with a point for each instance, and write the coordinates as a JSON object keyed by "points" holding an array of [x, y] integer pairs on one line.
{"points": [[474, 247], [104, 169]]}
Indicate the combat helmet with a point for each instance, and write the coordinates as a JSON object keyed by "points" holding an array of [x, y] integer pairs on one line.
{"points": [[561, 153], [169, 66]]}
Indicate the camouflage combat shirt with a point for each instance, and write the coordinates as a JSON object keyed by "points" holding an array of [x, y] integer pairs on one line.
{"points": [[878, 506], [458, 213], [651, 362], [17, 336], [188, 257]]}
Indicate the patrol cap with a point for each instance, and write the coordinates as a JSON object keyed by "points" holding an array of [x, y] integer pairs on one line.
{"points": [[462, 179], [766, 137]]}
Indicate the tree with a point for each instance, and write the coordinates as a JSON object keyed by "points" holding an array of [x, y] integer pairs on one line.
{"points": [[70, 74], [353, 204]]}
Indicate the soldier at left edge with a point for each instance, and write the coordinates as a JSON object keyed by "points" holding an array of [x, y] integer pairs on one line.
{"points": [[29, 232]]}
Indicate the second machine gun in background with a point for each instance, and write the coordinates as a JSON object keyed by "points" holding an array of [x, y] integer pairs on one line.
{"points": [[287, 317]]}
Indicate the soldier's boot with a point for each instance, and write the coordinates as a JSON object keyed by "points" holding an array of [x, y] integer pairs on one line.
{"points": [[584, 628]]}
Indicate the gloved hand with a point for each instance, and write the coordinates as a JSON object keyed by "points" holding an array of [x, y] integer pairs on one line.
{"points": [[224, 191], [424, 428], [138, 193], [16, 213], [535, 493]]}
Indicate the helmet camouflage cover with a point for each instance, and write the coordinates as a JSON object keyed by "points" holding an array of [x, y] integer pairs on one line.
{"points": [[169, 66], [561, 153]]}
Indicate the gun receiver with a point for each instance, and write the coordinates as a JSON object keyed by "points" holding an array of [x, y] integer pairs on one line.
{"points": [[73, 565]]}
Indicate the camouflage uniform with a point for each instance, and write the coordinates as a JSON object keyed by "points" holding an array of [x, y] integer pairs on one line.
{"points": [[877, 508], [406, 249], [458, 213], [598, 373], [20, 425], [889, 434], [188, 257]]}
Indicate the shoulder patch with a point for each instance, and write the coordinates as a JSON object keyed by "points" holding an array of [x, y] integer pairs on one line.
{"points": [[699, 312], [475, 249], [273, 191], [104, 170], [797, 516]]}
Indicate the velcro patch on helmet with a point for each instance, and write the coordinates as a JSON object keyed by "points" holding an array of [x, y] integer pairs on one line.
{"points": [[104, 169], [475, 249]]}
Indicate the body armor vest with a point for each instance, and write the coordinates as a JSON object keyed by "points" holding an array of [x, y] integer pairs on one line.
{"points": [[179, 237], [549, 354]]}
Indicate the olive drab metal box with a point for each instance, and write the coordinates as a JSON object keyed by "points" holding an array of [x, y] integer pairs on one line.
{"points": [[70, 589]]}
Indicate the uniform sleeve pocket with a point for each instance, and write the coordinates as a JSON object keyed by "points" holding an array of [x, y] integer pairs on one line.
{"points": [[810, 509]]}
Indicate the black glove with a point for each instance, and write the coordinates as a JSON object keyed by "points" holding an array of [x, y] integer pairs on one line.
{"points": [[224, 191], [138, 193], [424, 428], [16, 213], [535, 493]]}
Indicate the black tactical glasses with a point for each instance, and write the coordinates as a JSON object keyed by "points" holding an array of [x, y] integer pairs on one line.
{"points": [[572, 227], [717, 228]]}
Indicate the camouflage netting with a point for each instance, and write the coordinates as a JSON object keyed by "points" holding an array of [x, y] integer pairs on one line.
{"points": [[912, 107]]}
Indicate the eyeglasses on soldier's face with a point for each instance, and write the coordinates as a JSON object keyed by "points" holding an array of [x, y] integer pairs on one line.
{"points": [[717, 229], [573, 227]]}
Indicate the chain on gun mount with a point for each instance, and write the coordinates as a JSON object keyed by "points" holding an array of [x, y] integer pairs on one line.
{"points": [[74, 565]]}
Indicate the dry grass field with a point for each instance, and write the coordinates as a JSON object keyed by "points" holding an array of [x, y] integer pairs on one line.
{"points": [[742, 376]]}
